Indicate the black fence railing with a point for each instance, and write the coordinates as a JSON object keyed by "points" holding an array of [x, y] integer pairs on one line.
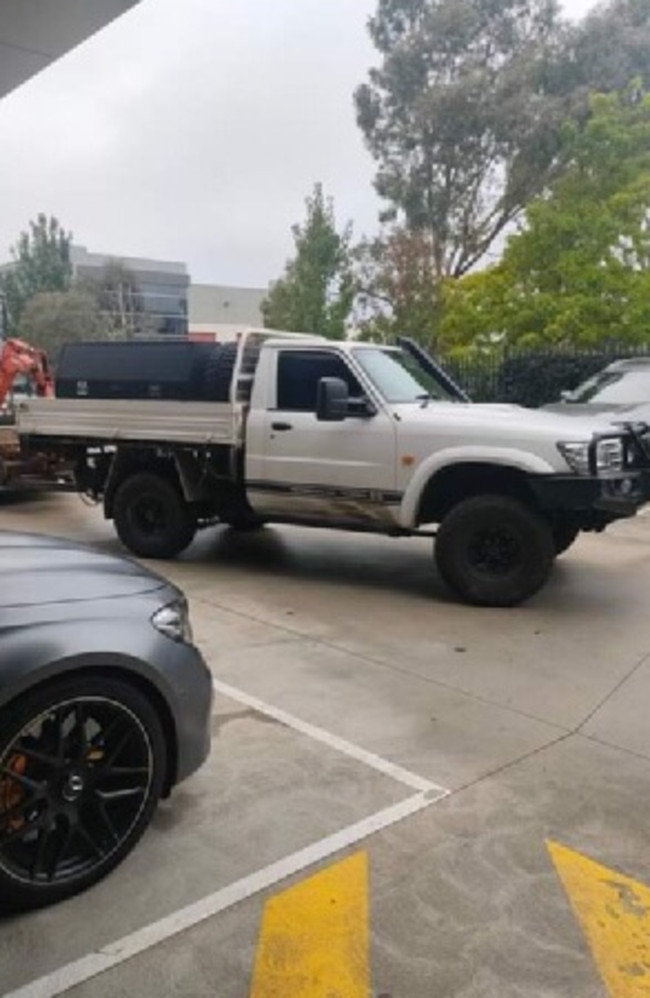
{"points": [[533, 377]]}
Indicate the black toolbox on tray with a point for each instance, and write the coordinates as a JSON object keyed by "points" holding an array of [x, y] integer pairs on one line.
{"points": [[134, 369]]}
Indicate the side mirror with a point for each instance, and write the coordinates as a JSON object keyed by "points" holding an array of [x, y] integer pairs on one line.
{"points": [[362, 408], [333, 400], [565, 396]]}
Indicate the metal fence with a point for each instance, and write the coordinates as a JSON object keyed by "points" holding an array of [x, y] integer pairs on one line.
{"points": [[533, 377]]}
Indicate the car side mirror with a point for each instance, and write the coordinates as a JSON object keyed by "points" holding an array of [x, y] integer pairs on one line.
{"points": [[333, 400], [565, 396], [362, 408]]}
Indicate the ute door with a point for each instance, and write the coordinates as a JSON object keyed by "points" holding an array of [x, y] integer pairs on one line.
{"points": [[301, 468]]}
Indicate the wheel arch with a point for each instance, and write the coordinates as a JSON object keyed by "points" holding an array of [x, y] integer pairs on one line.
{"points": [[122, 672], [465, 479], [130, 461], [450, 458]]}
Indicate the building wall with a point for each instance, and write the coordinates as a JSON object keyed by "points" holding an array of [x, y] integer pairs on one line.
{"points": [[162, 288], [218, 332], [170, 304], [222, 312]]}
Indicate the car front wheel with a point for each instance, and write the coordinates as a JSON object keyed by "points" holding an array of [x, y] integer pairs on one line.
{"points": [[494, 551], [82, 766]]}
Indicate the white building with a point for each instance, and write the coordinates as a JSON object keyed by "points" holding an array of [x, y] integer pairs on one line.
{"points": [[218, 312]]}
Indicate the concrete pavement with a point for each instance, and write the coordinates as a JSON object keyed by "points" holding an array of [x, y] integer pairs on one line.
{"points": [[533, 718]]}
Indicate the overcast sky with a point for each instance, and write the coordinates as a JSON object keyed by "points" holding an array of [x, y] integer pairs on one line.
{"points": [[193, 129]]}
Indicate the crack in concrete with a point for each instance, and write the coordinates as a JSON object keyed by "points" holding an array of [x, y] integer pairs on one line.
{"points": [[611, 745], [380, 663], [567, 733], [615, 689]]}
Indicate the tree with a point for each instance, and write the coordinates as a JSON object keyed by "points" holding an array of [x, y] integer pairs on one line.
{"points": [[119, 300], [41, 263], [53, 318], [608, 49], [397, 291], [316, 293], [579, 271], [459, 119]]}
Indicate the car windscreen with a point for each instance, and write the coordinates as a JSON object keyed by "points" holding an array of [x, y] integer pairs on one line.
{"points": [[398, 377], [614, 388]]}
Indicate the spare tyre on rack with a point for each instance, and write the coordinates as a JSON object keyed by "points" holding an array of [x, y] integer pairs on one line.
{"points": [[218, 374]]}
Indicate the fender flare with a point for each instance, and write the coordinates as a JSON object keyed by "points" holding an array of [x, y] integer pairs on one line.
{"points": [[504, 457]]}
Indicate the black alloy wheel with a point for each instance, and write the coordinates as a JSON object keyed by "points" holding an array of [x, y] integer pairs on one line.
{"points": [[81, 771]]}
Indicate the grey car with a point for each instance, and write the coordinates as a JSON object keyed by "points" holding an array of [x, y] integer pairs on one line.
{"points": [[105, 705], [620, 390]]}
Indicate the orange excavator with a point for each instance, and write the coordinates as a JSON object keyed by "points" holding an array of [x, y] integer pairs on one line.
{"points": [[19, 359]]}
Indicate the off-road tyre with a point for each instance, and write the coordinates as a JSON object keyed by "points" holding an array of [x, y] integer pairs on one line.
{"points": [[151, 517], [493, 550]]}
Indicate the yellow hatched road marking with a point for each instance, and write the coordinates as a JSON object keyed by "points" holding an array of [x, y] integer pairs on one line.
{"points": [[314, 941], [614, 913]]}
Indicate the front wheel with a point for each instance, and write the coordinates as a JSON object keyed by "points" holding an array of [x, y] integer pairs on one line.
{"points": [[82, 766], [494, 551], [151, 518]]}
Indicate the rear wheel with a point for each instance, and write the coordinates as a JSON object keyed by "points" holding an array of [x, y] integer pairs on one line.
{"points": [[494, 551], [82, 766], [151, 517]]}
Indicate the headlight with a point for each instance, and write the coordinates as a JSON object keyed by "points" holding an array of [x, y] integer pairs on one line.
{"points": [[173, 621], [610, 455]]}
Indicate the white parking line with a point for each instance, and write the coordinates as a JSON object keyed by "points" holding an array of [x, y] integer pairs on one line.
{"points": [[383, 766], [138, 942], [114, 954]]}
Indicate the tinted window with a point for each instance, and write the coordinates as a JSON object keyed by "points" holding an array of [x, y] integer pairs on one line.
{"points": [[299, 373]]}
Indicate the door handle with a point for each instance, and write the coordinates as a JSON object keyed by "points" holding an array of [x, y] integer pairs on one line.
{"points": [[281, 427]]}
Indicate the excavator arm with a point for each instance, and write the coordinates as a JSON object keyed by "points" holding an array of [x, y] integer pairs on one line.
{"points": [[18, 358]]}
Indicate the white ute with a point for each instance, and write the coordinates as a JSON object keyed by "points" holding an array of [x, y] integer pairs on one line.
{"points": [[352, 436]]}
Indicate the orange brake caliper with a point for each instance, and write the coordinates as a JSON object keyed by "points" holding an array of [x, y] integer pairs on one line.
{"points": [[11, 792]]}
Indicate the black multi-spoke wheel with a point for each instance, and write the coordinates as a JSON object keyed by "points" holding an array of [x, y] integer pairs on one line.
{"points": [[81, 769], [494, 550]]}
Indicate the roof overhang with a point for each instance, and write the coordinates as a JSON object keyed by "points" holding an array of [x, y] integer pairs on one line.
{"points": [[33, 33]]}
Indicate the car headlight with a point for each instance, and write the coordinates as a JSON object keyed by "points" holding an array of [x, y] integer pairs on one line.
{"points": [[173, 621], [610, 455]]}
